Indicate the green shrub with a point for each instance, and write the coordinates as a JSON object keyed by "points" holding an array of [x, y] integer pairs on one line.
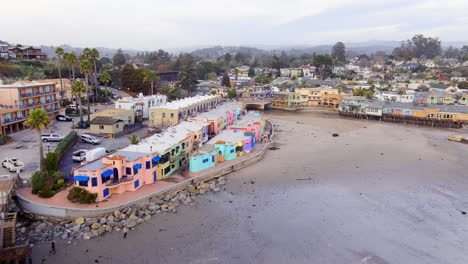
{"points": [[65, 142], [4, 140], [45, 183], [82, 196], [51, 161]]}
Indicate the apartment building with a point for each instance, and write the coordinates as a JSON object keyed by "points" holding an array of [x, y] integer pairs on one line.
{"points": [[18, 99], [141, 104], [287, 101]]}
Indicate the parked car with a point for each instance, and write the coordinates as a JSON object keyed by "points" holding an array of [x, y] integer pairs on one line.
{"points": [[54, 137], [73, 106], [64, 118], [13, 165], [90, 139], [79, 155]]}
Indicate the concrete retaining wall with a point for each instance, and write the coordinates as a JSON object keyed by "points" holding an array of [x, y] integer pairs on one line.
{"points": [[41, 209]]}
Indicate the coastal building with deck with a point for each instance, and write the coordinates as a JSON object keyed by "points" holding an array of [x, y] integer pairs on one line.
{"points": [[18, 99], [141, 104]]}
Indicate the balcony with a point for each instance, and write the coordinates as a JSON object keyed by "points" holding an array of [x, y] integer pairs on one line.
{"points": [[115, 183], [24, 95], [37, 104], [12, 120]]}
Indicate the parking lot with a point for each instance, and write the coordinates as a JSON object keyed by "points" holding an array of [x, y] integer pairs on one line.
{"points": [[109, 144]]}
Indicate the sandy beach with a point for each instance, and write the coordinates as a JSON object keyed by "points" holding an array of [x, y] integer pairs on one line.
{"points": [[378, 193]]}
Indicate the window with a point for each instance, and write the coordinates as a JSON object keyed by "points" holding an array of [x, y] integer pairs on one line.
{"points": [[232, 151], [183, 145], [101, 127], [105, 192], [152, 114], [136, 184], [172, 115], [128, 171], [83, 183], [167, 170], [205, 160], [94, 182], [135, 171], [148, 165], [117, 125], [164, 115]]}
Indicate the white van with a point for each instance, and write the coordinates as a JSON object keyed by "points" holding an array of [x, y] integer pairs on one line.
{"points": [[90, 139]]}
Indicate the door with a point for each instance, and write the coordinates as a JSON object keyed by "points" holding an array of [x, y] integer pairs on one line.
{"points": [[116, 174], [154, 176]]}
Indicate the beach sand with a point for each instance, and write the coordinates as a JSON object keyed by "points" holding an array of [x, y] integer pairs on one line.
{"points": [[377, 193]]}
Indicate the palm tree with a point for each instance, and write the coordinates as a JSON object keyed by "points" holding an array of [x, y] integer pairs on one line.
{"points": [[86, 68], [78, 88], [60, 53], [152, 77], [37, 121], [93, 57], [105, 78], [133, 139], [70, 60], [236, 73]]}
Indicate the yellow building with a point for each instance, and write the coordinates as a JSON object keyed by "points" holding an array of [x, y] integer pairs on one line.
{"points": [[463, 99], [327, 97], [176, 111], [111, 121], [287, 101]]}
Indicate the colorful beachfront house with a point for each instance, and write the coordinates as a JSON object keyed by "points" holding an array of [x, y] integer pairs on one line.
{"points": [[227, 145], [463, 99], [436, 97], [220, 117], [118, 172], [252, 121], [179, 110]]}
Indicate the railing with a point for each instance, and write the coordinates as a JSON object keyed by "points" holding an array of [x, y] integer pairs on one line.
{"points": [[22, 95], [36, 104], [11, 120], [123, 179]]}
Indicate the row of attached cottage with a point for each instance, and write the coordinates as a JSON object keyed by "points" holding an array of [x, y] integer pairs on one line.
{"points": [[454, 116], [199, 143]]}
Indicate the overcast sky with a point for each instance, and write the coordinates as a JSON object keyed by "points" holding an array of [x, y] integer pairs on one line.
{"points": [[153, 24]]}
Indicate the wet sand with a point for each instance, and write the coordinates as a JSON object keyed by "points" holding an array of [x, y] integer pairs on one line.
{"points": [[378, 193]]}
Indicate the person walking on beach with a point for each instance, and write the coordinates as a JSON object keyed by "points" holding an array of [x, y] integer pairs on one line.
{"points": [[125, 230], [52, 249], [69, 237]]}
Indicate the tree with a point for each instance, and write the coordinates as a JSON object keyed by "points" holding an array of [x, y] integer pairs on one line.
{"points": [[126, 76], [227, 58], [464, 53], [105, 78], [226, 82], [232, 93], [60, 53], [426, 47], [119, 59], [276, 64], [188, 80], [86, 68], [70, 60], [339, 52], [251, 72], [263, 79], [133, 139], [37, 121], [94, 57], [78, 88], [463, 85], [323, 64], [152, 77], [211, 76]]}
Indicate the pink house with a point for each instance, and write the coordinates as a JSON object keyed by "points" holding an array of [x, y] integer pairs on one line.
{"points": [[117, 173]]}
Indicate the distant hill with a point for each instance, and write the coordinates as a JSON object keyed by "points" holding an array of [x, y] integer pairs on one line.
{"points": [[103, 52], [218, 51]]}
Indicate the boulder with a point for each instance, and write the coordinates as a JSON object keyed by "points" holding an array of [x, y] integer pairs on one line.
{"points": [[79, 220], [140, 220], [108, 228], [216, 189], [156, 200], [103, 220], [147, 218], [90, 221], [41, 227], [101, 230], [172, 208], [95, 226], [23, 230], [187, 200], [110, 219], [131, 222], [117, 213], [75, 228], [133, 216]]}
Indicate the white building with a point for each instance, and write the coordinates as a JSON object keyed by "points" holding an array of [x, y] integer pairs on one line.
{"points": [[394, 97], [4, 51], [141, 104]]}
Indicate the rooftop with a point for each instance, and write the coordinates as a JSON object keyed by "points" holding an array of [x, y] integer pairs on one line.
{"points": [[230, 137], [186, 102], [26, 84], [111, 112], [219, 111], [248, 119]]}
